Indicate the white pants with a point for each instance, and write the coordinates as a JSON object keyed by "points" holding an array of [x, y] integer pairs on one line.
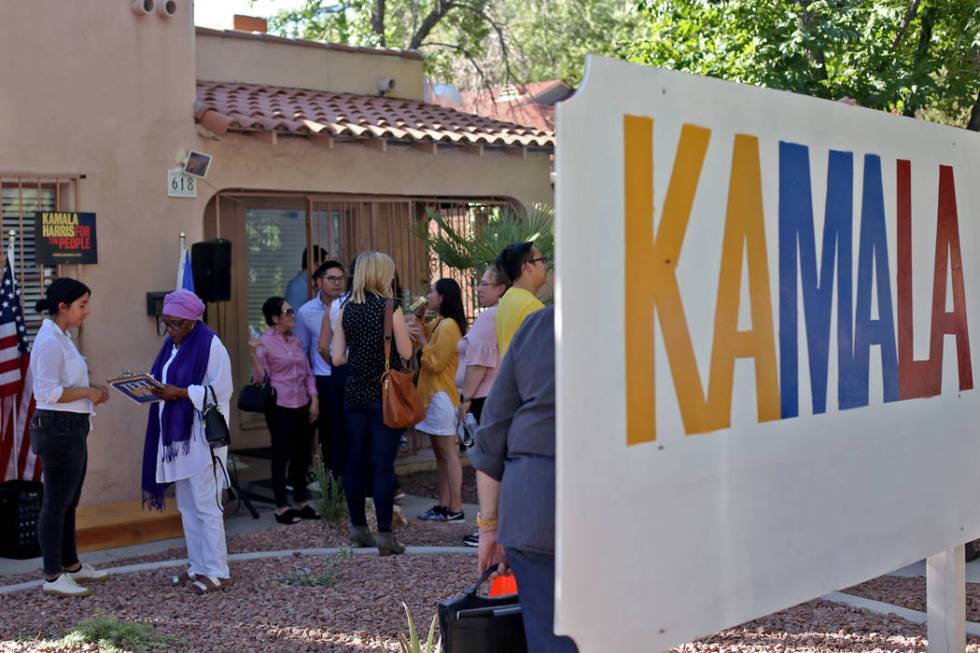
{"points": [[204, 527]]}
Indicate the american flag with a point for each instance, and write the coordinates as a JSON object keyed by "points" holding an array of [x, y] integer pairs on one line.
{"points": [[17, 461]]}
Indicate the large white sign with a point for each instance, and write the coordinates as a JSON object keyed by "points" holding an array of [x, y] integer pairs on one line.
{"points": [[767, 340]]}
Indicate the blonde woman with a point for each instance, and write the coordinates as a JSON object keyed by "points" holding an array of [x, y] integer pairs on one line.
{"points": [[358, 342]]}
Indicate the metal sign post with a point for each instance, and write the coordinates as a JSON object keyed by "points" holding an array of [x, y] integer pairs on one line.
{"points": [[946, 600]]}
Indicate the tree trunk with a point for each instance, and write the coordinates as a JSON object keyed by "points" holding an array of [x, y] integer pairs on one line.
{"points": [[378, 22], [925, 39], [439, 11], [816, 57], [974, 123]]}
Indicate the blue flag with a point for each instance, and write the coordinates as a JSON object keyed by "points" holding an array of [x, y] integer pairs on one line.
{"points": [[185, 275]]}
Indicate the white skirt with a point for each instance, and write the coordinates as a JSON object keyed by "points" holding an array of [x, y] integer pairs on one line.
{"points": [[440, 416]]}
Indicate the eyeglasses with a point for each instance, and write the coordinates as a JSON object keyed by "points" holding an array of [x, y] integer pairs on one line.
{"points": [[334, 279], [171, 324], [289, 311], [485, 284], [542, 259]]}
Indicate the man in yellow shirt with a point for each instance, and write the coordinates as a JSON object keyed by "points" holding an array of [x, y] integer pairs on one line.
{"points": [[528, 270]]}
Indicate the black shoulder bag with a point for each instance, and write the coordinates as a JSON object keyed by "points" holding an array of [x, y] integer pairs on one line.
{"points": [[215, 426], [480, 624], [257, 396]]}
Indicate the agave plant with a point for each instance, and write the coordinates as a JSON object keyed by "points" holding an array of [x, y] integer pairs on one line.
{"points": [[411, 644], [502, 227]]}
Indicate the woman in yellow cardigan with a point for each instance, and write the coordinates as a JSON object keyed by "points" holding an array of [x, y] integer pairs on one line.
{"points": [[437, 387]]}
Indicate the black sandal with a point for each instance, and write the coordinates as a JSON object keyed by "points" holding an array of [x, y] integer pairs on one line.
{"points": [[308, 512], [290, 516]]}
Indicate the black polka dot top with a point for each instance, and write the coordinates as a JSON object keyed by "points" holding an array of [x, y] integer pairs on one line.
{"points": [[364, 331]]}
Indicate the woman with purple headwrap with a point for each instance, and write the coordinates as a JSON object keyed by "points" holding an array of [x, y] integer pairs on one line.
{"points": [[195, 369]]}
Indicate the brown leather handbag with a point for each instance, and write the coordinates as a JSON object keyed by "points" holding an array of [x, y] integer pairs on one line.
{"points": [[400, 401]]}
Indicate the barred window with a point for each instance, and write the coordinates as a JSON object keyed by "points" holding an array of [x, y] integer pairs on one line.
{"points": [[20, 197]]}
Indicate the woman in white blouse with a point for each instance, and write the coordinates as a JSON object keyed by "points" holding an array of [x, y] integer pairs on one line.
{"points": [[195, 369], [59, 430]]}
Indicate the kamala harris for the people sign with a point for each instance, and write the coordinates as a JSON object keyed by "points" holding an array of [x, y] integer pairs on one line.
{"points": [[767, 334]]}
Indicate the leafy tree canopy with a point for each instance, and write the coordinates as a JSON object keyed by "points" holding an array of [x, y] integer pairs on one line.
{"points": [[475, 42], [916, 57]]}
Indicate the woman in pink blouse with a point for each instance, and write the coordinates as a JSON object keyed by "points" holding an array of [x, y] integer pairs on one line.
{"points": [[478, 356], [279, 357], [478, 348]]}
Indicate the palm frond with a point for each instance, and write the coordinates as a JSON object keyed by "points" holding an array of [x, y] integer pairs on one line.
{"points": [[501, 228]]}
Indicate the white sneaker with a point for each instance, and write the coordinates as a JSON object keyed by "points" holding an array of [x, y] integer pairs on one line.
{"points": [[64, 585], [88, 574]]}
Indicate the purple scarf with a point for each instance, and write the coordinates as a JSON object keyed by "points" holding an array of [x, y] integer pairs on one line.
{"points": [[188, 368]]}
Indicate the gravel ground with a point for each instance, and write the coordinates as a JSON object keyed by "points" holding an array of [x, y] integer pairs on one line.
{"points": [[261, 612], [911, 593], [425, 484], [362, 612], [820, 627], [304, 535]]}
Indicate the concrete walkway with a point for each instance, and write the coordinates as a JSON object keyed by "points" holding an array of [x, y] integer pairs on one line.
{"points": [[972, 628], [254, 555], [236, 524]]}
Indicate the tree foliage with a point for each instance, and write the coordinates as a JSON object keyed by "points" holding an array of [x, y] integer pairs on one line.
{"points": [[503, 227], [475, 42], [550, 38], [910, 56], [446, 29]]}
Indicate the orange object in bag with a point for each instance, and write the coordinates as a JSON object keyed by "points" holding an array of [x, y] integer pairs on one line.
{"points": [[503, 585]]}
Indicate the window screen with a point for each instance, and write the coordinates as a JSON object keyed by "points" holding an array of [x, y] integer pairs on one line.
{"points": [[276, 239]]}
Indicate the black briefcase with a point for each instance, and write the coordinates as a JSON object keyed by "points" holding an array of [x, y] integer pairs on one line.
{"points": [[480, 624], [20, 510]]}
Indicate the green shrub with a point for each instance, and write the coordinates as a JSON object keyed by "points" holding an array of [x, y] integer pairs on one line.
{"points": [[112, 635], [305, 577], [473, 252], [332, 503], [411, 644]]}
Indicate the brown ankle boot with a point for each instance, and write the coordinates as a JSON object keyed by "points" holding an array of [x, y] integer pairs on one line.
{"points": [[388, 545], [361, 536]]}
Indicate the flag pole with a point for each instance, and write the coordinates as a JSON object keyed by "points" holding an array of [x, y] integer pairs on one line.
{"points": [[12, 237], [181, 269]]}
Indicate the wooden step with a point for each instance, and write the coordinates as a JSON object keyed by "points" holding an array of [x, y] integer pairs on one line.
{"points": [[108, 525]]}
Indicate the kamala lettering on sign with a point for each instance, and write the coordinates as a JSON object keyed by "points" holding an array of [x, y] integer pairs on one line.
{"points": [[766, 319], [650, 279]]}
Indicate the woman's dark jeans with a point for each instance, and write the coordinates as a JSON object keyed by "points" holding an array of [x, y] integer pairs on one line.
{"points": [[59, 438], [292, 439], [371, 451]]}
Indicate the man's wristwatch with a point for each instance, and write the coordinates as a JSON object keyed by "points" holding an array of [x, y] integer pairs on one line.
{"points": [[485, 524], [465, 400]]}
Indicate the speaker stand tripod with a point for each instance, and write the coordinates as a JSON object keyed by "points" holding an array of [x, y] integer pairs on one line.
{"points": [[236, 491]]}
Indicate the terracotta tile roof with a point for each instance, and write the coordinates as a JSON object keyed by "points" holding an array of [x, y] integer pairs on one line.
{"points": [[260, 108], [519, 103]]}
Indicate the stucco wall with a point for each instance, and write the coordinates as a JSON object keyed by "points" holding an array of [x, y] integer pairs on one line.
{"points": [[247, 58], [105, 93]]}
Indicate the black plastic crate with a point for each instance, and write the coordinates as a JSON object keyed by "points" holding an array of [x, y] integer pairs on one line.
{"points": [[20, 509]]}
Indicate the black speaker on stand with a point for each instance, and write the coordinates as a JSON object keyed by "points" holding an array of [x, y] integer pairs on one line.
{"points": [[211, 265]]}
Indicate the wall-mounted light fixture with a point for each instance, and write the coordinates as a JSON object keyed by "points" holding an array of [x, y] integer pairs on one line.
{"points": [[385, 85]]}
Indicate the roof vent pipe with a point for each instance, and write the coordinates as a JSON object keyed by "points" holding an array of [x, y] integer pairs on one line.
{"points": [[167, 8], [142, 7]]}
